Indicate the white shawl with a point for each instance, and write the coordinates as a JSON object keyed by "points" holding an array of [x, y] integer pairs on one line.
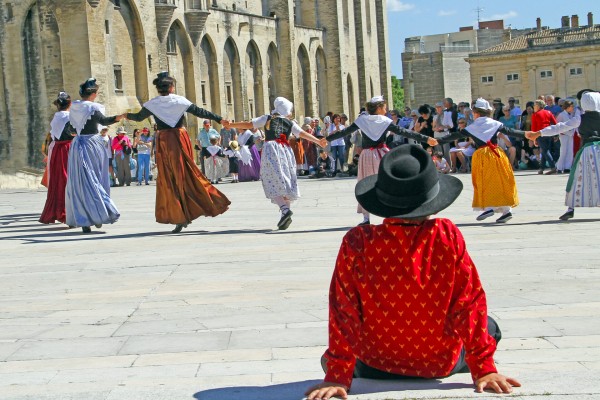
{"points": [[373, 125], [484, 128], [213, 150], [169, 109], [81, 113], [58, 124]]}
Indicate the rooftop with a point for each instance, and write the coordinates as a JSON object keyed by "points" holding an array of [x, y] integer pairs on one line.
{"points": [[548, 38]]}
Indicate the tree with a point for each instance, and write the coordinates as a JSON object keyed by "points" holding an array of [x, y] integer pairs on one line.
{"points": [[397, 93]]}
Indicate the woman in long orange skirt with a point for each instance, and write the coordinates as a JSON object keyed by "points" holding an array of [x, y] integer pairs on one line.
{"points": [[182, 192]]}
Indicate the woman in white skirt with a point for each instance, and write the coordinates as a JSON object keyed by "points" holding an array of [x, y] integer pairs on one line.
{"points": [[374, 127], [583, 187], [278, 164]]}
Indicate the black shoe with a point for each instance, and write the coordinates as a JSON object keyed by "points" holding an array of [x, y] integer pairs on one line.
{"points": [[367, 222], [504, 218], [98, 226], [567, 216], [284, 220], [286, 224], [485, 214], [86, 229], [178, 228]]}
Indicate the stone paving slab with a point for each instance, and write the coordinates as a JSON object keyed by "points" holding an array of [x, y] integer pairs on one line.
{"points": [[231, 309]]}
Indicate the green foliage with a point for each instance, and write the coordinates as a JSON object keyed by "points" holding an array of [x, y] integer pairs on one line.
{"points": [[397, 93]]}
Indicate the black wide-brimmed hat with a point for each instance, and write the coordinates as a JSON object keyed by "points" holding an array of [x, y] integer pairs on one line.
{"points": [[407, 186]]}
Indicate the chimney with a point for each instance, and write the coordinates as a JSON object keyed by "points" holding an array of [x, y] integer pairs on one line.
{"points": [[590, 19], [564, 21], [574, 21], [538, 23]]}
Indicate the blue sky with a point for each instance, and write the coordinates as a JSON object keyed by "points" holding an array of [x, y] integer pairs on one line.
{"points": [[418, 17]]}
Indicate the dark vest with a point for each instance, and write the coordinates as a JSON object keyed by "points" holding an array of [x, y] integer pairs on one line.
{"points": [[276, 126], [589, 129]]}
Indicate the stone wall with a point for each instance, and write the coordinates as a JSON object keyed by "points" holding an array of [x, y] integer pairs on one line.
{"points": [[288, 48]]}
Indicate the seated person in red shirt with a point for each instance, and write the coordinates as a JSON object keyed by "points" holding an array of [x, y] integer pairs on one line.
{"points": [[405, 298]]}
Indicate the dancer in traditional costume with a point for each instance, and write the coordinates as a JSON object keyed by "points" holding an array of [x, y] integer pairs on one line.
{"points": [[374, 127], [249, 163], [62, 134], [182, 192], [278, 165], [583, 187], [495, 190], [88, 199], [216, 164]]}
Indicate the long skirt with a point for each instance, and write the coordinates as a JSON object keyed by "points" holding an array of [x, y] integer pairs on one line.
{"points": [[54, 210], [310, 153], [182, 192], [583, 189], [250, 172], [278, 172], [298, 149], [46, 177], [368, 164], [493, 180], [88, 199], [216, 167], [566, 153]]}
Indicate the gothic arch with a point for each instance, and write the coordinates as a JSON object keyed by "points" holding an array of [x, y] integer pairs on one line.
{"points": [[304, 105], [129, 56], [254, 80], [209, 68], [233, 80], [322, 99], [42, 72], [274, 73], [181, 61]]}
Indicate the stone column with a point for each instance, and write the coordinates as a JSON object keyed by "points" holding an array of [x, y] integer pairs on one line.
{"points": [[384, 52], [591, 73], [561, 89], [532, 77]]}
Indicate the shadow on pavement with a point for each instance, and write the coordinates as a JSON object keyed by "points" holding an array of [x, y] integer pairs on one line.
{"points": [[550, 222], [16, 218], [295, 390]]}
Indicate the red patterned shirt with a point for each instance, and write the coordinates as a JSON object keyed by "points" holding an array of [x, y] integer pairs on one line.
{"points": [[404, 298]]}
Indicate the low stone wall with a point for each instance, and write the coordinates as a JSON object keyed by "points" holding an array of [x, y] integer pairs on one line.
{"points": [[21, 180]]}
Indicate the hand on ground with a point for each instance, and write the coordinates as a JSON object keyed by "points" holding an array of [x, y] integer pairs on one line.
{"points": [[496, 382], [326, 390]]}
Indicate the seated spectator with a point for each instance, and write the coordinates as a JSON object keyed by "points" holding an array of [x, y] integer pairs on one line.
{"points": [[324, 166], [505, 144], [440, 162], [353, 168], [531, 156], [379, 331]]}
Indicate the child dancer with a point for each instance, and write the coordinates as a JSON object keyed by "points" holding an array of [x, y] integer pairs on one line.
{"points": [[214, 161], [233, 154]]}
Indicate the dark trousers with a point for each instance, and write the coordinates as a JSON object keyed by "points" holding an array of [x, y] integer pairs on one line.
{"points": [[546, 151], [362, 370]]}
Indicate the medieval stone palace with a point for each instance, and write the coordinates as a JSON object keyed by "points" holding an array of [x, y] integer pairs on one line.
{"points": [[232, 57]]}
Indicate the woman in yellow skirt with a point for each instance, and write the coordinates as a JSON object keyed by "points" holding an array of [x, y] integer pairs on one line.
{"points": [[494, 187]]}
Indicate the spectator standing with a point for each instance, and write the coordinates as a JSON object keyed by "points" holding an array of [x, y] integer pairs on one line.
{"points": [[443, 124], [143, 143], [541, 119], [406, 118], [511, 147], [338, 146], [121, 145], [424, 124], [515, 110], [565, 160], [497, 103], [203, 139], [227, 135]]}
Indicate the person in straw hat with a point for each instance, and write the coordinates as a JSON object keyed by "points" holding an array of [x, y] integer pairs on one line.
{"points": [[182, 192], [232, 151], [374, 126], [278, 164], [495, 190], [413, 310]]}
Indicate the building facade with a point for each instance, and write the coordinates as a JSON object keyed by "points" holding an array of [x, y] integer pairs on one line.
{"points": [[547, 61], [232, 57], [434, 66]]}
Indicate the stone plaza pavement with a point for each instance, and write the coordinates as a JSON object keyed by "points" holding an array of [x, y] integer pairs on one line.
{"points": [[230, 309]]}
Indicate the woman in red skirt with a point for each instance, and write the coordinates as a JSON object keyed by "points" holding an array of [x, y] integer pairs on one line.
{"points": [[62, 133]]}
